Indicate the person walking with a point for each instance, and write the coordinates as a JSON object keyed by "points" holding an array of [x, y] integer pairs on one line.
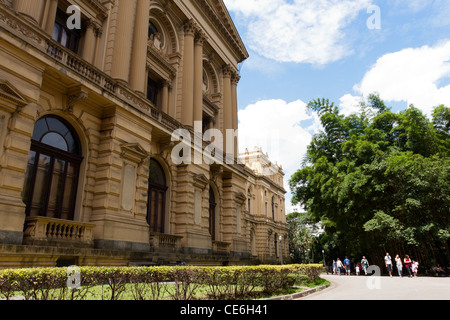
{"points": [[388, 263], [365, 264], [334, 267], [398, 262], [407, 262], [358, 268], [415, 267], [339, 265], [347, 264]]}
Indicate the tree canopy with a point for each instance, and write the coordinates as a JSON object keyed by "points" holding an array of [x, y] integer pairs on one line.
{"points": [[379, 181]]}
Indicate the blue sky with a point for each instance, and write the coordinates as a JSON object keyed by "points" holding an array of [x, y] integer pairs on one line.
{"points": [[342, 50]]}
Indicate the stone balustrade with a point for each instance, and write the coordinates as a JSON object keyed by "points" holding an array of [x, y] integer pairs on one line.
{"points": [[165, 242], [40, 230]]}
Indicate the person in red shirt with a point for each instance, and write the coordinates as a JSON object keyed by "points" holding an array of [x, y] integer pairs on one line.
{"points": [[407, 263]]}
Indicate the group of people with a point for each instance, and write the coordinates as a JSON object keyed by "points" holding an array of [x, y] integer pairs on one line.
{"points": [[411, 266], [344, 267]]}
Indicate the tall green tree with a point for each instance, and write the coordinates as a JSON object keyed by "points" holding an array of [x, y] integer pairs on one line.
{"points": [[379, 181]]}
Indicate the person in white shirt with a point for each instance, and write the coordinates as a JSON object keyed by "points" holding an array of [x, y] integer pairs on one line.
{"points": [[340, 265], [388, 263]]}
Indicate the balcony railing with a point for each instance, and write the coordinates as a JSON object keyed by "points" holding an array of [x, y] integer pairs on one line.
{"points": [[165, 242], [51, 231], [80, 66]]}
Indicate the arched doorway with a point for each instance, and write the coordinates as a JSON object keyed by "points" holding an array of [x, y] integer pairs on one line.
{"points": [[51, 178], [157, 189]]}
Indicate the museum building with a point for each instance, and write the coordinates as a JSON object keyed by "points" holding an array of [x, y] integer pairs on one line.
{"points": [[91, 92]]}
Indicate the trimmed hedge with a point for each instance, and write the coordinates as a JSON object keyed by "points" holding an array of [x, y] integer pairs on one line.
{"points": [[154, 283]]}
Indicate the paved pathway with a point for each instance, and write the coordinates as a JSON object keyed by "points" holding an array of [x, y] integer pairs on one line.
{"points": [[383, 288]]}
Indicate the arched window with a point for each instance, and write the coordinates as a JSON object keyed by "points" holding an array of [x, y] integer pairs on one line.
{"points": [[51, 179], [212, 214], [157, 188]]}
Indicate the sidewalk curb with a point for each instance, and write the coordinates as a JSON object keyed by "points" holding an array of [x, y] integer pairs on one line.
{"points": [[299, 295]]}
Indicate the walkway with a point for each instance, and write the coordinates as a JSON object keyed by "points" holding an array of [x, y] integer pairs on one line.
{"points": [[383, 288]]}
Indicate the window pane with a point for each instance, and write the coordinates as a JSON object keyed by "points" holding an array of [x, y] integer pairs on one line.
{"points": [[56, 125], [55, 140], [63, 37], [67, 206], [156, 173], [28, 177], [40, 186], [54, 199], [40, 128], [56, 32]]}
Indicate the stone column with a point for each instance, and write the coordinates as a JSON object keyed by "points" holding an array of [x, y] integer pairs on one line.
{"points": [[234, 82], [187, 103], [30, 8], [48, 24], [89, 43], [165, 97], [227, 106], [123, 40], [139, 55], [198, 76]]}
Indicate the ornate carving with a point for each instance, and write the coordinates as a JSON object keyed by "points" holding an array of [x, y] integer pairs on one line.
{"points": [[78, 97], [200, 37], [227, 71], [190, 27], [235, 78], [14, 24]]}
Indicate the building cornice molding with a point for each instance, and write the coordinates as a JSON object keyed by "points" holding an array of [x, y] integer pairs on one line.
{"points": [[228, 32]]}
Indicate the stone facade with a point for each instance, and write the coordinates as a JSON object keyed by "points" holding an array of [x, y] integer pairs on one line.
{"points": [[87, 174]]}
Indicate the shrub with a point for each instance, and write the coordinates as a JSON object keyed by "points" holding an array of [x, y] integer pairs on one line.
{"points": [[152, 283]]}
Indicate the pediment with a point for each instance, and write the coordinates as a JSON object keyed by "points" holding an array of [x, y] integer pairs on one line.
{"points": [[134, 152], [9, 93], [201, 181]]}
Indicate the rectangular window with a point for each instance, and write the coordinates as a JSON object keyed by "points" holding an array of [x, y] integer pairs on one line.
{"points": [[62, 34], [152, 91]]}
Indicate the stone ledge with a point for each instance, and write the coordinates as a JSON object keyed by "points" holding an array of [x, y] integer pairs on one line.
{"points": [[299, 295]]}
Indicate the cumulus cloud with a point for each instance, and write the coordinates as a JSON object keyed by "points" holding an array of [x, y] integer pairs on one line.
{"points": [[414, 75], [282, 129], [299, 30]]}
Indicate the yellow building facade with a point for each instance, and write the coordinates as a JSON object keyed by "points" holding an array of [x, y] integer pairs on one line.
{"points": [[91, 93]]}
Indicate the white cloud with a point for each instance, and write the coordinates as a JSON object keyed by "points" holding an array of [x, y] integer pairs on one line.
{"points": [[274, 125], [350, 104], [299, 30], [412, 75]]}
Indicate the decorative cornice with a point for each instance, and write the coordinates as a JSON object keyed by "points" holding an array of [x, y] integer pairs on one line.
{"points": [[229, 33]]}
